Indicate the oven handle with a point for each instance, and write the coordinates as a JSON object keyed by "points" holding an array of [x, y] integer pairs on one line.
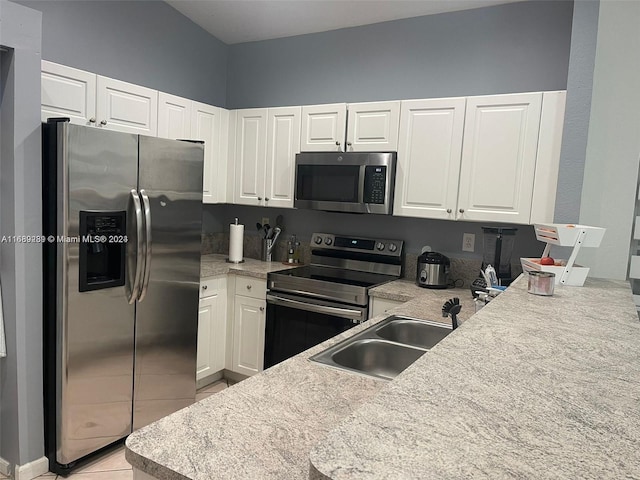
{"points": [[312, 307]]}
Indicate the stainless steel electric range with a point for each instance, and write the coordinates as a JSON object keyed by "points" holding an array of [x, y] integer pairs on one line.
{"points": [[310, 304]]}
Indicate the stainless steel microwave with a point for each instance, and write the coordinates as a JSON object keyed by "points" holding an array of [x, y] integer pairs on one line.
{"points": [[345, 182]]}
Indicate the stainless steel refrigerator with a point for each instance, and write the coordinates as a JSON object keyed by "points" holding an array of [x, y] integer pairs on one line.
{"points": [[120, 284]]}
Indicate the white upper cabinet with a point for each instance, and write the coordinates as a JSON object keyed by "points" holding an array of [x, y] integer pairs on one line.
{"points": [[283, 142], [548, 158], [126, 107], [358, 127], [323, 127], [68, 92], [174, 117], [429, 153], [499, 157], [373, 127], [266, 143], [209, 124], [250, 156]]}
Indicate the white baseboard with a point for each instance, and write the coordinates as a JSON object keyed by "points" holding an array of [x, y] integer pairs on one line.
{"points": [[32, 470], [4, 467]]}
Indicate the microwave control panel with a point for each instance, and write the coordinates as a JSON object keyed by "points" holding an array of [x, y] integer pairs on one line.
{"points": [[375, 183]]}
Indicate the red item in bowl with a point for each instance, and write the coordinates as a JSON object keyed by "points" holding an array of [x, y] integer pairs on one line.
{"points": [[547, 261]]}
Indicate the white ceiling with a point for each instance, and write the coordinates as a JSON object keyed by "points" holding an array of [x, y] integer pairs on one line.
{"points": [[237, 21]]}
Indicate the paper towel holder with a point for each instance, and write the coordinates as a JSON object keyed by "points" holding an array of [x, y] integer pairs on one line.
{"points": [[228, 260]]}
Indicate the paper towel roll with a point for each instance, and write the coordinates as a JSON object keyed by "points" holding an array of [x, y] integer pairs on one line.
{"points": [[236, 234]]}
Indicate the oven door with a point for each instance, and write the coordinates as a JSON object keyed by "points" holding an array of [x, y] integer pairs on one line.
{"points": [[295, 323]]}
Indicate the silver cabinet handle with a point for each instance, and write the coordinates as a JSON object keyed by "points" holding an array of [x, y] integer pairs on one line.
{"points": [[92, 120], [262, 309], [147, 243], [204, 287], [348, 144], [266, 199], [338, 143], [135, 288], [259, 198], [448, 210], [461, 210], [248, 287], [103, 122]]}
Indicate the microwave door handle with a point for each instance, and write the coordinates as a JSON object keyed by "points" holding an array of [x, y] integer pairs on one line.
{"points": [[312, 307], [147, 242], [363, 170]]}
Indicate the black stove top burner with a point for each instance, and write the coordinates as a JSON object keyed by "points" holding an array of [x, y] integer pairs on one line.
{"points": [[338, 275]]}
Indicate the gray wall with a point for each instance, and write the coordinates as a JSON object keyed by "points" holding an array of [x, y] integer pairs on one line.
{"points": [[508, 48], [442, 235], [21, 438], [584, 34], [143, 42]]}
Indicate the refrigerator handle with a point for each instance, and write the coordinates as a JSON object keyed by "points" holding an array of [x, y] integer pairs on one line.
{"points": [[135, 288], [147, 239]]}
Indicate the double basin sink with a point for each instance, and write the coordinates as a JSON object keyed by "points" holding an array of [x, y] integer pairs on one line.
{"points": [[386, 348]]}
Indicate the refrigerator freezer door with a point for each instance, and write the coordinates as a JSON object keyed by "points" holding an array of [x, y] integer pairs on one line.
{"points": [[170, 173], [95, 329]]}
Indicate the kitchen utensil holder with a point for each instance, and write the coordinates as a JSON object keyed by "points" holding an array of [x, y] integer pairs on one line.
{"points": [[267, 253]]}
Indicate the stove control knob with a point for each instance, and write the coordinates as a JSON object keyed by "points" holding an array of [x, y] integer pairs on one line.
{"points": [[393, 247], [380, 246], [318, 240], [328, 241]]}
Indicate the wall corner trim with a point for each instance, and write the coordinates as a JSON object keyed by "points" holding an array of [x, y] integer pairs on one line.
{"points": [[32, 470]]}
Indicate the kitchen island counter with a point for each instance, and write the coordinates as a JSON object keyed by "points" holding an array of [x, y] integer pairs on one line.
{"points": [[529, 387]]}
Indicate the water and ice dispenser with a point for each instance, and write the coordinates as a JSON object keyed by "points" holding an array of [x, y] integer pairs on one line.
{"points": [[102, 250]]}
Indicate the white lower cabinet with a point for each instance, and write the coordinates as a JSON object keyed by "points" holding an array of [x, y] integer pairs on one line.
{"points": [[212, 326], [249, 314], [248, 335], [378, 306]]}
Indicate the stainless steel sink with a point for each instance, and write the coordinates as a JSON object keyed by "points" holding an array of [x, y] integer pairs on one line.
{"points": [[406, 330], [386, 348]]}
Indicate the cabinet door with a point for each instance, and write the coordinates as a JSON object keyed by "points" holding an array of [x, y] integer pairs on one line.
{"points": [[248, 335], [205, 125], [250, 156], [429, 153], [68, 92], [499, 157], [373, 127], [125, 107], [548, 160], [212, 333], [283, 142], [323, 127], [174, 117]]}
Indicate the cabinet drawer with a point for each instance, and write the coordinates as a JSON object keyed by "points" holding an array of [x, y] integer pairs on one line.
{"points": [[211, 285], [251, 287]]}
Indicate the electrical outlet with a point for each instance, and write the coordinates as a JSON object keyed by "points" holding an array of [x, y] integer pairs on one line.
{"points": [[265, 220], [468, 242]]}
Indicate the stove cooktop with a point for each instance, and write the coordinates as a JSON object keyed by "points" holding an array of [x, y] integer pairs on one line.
{"points": [[337, 275]]}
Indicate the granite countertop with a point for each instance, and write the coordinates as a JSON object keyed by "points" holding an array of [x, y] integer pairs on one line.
{"points": [[404, 290], [529, 387], [265, 426], [214, 264]]}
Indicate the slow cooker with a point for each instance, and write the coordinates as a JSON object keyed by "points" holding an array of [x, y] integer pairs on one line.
{"points": [[433, 270]]}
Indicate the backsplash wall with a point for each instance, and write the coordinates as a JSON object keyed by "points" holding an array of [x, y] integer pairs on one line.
{"points": [[443, 236]]}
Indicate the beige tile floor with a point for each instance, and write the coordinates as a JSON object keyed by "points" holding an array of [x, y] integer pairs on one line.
{"points": [[112, 465]]}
